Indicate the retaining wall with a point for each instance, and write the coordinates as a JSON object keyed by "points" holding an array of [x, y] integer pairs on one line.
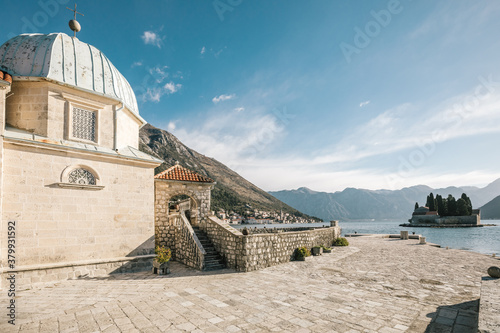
{"points": [[253, 252]]}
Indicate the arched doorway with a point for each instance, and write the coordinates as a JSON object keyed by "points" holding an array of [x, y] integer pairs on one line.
{"points": [[184, 204]]}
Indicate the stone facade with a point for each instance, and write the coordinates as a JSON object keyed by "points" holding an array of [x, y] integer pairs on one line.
{"points": [[172, 229], [253, 252], [44, 108]]}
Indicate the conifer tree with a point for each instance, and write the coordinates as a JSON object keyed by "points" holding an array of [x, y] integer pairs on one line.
{"points": [[432, 203], [440, 205], [416, 205], [462, 209], [468, 202], [452, 205]]}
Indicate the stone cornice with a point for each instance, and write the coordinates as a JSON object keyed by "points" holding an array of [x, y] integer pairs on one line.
{"points": [[79, 151]]}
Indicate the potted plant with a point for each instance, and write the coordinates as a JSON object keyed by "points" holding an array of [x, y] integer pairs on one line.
{"points": [[160, 263], [301, 253], [317, 250], [326, 249]]}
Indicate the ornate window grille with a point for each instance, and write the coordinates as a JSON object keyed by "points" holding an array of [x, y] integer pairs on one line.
{"points": [[81, 177], [84, 124]]}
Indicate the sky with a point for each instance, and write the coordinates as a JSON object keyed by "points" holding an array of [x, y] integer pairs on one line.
{"points": [[319, 94]]}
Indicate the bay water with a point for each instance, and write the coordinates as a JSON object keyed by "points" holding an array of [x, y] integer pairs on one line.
{"points": [[484, 240]]}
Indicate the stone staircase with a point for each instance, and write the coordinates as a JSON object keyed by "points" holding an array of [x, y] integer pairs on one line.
{"points": [[213, 260]]}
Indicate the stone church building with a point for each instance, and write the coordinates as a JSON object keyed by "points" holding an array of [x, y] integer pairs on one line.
{"points": [[76, 194], [77, 197]]}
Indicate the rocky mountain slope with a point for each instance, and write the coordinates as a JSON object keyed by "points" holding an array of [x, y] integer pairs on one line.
{"points": [[361, 204], [232, 192], [491, 210]]}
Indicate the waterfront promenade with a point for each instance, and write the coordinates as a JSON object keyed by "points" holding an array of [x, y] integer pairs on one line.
{"points": [[374, 285]]}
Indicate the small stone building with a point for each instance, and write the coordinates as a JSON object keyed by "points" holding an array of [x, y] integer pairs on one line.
{"points": [[169, 224], [74, 187]]}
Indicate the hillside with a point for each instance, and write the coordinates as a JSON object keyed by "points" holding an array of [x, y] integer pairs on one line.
{"points": [[491, 211], [361, 204], [232, 192]]}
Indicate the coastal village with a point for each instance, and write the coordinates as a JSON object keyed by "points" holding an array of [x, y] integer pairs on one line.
{"points": [[257, 216]]}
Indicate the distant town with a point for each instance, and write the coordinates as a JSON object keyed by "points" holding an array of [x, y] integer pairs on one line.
{"points": [[256, 216]]}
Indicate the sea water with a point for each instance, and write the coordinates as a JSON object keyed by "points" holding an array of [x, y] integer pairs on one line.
{"points": [[481, 239]]}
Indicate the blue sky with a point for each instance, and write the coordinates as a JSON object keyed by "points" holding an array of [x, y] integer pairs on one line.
{"points": [[322, 94]]}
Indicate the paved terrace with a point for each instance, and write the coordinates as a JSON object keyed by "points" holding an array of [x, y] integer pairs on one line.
{"points": [[374, 285]]}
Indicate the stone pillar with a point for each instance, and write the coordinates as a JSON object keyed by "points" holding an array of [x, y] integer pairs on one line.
{"points": [[422, 240], [404, 235], [334, 223]]}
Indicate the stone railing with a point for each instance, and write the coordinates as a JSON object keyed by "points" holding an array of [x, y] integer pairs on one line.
{"points": [[187, 247], [252, 252]]}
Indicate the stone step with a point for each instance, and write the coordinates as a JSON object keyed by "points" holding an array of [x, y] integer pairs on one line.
{"points": [[213, 260]]}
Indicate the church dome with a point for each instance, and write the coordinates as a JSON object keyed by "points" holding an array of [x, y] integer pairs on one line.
{"points": [[65, 60]]}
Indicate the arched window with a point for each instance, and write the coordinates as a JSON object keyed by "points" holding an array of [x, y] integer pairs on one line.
{"points": [[82, 177]]}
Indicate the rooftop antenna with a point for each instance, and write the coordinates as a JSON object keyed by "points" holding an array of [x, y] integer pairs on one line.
{"points": [[73, 24]]}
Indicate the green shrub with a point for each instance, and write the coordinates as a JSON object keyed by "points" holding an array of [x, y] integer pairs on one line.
{"points": [[245, 231], [325, 248], [341, 241], [302, 252]]}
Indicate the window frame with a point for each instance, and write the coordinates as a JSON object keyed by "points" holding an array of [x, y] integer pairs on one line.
{"points": [[73, 102]]}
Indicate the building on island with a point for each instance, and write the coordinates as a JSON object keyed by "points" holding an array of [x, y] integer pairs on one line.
{"points": [[424, 217]]}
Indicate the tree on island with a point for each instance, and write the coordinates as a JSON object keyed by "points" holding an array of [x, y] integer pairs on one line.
{"points": [[442, 207], [431, 203], [450, 206], [416, 205]]}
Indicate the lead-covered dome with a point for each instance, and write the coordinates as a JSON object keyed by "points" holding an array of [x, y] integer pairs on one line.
{"points": [[64, 59]]}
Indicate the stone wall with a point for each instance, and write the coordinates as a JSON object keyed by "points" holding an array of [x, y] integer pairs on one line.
{"points": [[188, 248], [253, 252], [167, 189], [436, 219], [29, 277], [55, 224], [472, 219]]}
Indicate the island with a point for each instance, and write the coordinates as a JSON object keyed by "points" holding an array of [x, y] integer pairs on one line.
{"points": [[447, 212]]}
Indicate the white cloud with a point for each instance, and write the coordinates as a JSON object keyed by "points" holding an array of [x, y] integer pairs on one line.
{"points": [[156, 88], [365, 103], [247, 143], [240, 109], [136, 64], [152, 94], [171, 126], [223, 98], [203, 50], [159, 73], [172, 87], [152, 38]]}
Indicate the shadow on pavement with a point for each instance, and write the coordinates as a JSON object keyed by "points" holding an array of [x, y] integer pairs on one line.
{"points": [[177, 269], [455, 318]]}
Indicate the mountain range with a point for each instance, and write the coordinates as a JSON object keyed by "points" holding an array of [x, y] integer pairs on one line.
{"points": [[362, 204], [231, 193]]}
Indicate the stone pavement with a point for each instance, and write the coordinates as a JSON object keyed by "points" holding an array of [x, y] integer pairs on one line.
{"points": [[374, 285]]}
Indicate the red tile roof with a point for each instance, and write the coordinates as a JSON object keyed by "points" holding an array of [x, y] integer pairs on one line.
{"points": [[180, 173], [6, 77]]}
